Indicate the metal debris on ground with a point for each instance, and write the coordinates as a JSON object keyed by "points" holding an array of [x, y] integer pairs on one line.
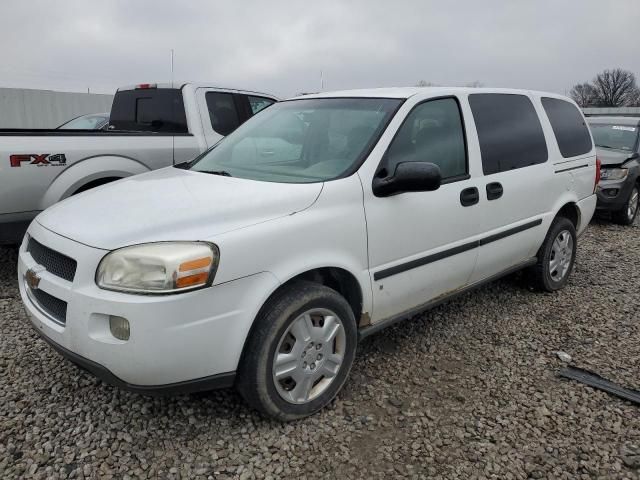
{"points": [[596, 381]]}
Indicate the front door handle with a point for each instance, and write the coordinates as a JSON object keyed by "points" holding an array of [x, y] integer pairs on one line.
{"points": [[494, 190], [469, 196]]}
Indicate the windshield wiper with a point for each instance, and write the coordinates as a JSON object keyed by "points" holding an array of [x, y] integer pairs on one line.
{"points": [[222, 173], [613, 148]]}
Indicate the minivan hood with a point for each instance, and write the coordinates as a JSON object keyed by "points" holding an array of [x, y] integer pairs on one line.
{"points": [[172, 204], [608, 156]]}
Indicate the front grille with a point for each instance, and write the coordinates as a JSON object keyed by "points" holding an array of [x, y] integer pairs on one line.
{"points": [[56, 263], [52, 306]]}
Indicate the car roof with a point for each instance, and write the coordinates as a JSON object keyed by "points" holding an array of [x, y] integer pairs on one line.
{"points": [[406, 92], [635, 121], [196, 85]]}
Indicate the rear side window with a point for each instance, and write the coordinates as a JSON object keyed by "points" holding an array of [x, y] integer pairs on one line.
{"points": [[509, 132], [258, 103], [222, 112], [149, 110], [568, 126], [432, 132]]}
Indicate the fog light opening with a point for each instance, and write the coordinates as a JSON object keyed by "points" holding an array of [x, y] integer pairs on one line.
{"points": [[119, 327]]}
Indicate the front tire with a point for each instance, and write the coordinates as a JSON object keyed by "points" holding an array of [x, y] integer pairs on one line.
{"points": [[556, 256], [299, 353], [628, 214]]}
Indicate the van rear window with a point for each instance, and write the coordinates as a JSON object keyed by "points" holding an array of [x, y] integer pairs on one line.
{"points": [[149, 110], [509, 131], [568, 126]]}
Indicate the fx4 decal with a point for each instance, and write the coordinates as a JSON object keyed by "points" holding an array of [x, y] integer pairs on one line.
{"points": [[43, 159]]}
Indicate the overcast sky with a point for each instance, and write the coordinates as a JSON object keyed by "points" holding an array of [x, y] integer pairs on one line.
{"points": [[282, 47]]}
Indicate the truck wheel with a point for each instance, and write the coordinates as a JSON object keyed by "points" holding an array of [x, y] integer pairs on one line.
{"points": [[299, 353], [556, 256], [628, 214]]}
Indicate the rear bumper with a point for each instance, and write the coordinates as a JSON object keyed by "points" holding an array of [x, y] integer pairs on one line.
{"points": [[613, 194], [587, 207]]}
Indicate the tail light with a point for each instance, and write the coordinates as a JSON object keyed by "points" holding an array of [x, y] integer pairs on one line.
{"points": [[145, 86], [597, 181]]}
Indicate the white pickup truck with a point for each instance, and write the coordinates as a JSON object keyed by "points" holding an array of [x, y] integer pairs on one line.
{"points": [[151, 126]]}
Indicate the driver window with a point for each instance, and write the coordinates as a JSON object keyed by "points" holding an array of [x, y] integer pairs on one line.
{"points": [[433, 133]]}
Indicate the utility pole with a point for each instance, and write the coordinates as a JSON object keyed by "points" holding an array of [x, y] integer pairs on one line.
{"points": [[321, 81], [172, 67]]}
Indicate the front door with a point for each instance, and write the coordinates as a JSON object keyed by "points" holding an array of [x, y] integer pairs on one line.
{"points": [[421, 243]]}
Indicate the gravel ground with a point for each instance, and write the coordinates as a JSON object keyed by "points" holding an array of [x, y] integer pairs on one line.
{"points": [[468, 390]]}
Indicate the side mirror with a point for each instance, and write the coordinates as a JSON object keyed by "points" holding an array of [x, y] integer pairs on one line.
{"points": [[408, 177]]}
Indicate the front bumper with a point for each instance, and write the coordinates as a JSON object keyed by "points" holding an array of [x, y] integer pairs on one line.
{"points": [[178, 343], [221, 380], [613, 194]]}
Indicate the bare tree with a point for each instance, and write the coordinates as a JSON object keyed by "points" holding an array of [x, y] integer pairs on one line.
{"points": [[583, 94], [474, 84], [615, 88]]}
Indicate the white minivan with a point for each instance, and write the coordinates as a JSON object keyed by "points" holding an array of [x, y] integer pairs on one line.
{"points": [[321, 220]]}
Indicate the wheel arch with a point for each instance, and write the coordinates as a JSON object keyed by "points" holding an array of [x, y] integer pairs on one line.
{"points": [[571, 212], [89, 170], [339, 279]]}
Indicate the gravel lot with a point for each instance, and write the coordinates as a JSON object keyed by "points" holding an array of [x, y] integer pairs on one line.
{"points": [[468, 390]]}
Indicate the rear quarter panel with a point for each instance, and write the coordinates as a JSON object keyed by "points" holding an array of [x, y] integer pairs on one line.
{"points": [[51, 167], [573, 177]]}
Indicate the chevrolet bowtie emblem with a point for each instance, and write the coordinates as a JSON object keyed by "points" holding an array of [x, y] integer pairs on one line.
{"points": [[32, 277]]}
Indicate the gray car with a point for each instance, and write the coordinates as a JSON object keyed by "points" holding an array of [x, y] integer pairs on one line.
{"points": [[617, 145]]}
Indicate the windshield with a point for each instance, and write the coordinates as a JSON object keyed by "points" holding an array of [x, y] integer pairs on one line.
{"points": [[86, 122], [620, 137], [301, 141]]}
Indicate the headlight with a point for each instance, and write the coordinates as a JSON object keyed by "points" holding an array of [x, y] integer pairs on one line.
{"points": [[613, 173], [164, 267]]}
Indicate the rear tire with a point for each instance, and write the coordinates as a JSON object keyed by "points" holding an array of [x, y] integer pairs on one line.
{"points": [[628, 213], [299, 352], [556, 256]]}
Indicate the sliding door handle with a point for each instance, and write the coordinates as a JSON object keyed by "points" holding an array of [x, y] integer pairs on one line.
{"points": [[469, 196], [494, 190]]}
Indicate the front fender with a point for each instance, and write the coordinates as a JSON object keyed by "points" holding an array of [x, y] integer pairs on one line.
{"points": [[88, 170]]}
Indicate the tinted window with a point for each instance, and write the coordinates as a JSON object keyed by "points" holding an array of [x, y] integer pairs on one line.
{"points": [[509, 131], [222, 112], [153, 109], [259, 103], [568, 126], [432, 132]]}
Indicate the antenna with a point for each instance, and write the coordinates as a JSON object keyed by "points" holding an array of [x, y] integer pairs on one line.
{"points": [[172, 67]]}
